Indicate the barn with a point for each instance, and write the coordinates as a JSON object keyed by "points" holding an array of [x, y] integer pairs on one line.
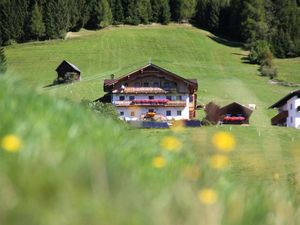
{"points": [[67, 72]]}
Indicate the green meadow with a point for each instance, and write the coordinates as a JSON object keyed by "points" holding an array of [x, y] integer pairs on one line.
{"points": [[68, 165]]}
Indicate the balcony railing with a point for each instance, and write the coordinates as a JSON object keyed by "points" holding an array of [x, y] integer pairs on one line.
{"points": [[151, 102]]}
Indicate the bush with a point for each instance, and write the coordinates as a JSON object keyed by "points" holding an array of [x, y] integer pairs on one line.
{"points": [[268, 71], [102, 109], [260, 50]]}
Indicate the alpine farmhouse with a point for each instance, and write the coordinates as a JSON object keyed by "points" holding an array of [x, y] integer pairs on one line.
{"points": [[288, 111], [152, 92]]}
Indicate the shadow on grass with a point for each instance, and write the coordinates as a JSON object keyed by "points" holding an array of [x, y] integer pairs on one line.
{"points": [[225, 42], [50, 85], [55, 83]]}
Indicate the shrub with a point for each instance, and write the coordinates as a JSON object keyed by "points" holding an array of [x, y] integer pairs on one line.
{"points": [[268, 71], [259, 51]]}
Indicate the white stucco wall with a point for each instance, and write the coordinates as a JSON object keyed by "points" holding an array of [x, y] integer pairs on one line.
{"points": [[293, 119], [138, 111]]}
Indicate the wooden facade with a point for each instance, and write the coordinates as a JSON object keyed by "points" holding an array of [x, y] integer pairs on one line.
{"points": [[233, 113], [68, 72]]}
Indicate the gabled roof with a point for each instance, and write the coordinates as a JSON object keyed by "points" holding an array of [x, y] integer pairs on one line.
{"points": [[284, 100], [234, 106], [111, 82], [66, 63]]}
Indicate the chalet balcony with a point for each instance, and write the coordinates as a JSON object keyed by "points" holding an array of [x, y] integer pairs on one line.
{"points": [[280, 119], [151, 102]]}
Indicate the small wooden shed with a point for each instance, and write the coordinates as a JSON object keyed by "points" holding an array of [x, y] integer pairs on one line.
{"points": [[68, 72], [233, 113]]}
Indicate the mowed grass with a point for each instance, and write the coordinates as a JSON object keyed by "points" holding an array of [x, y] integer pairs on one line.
{"points": [[76, 167], [288, 70]]}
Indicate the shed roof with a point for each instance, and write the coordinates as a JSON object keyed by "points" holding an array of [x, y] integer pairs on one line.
{"points": [[235, 107], [284, 100], [65, 64]]}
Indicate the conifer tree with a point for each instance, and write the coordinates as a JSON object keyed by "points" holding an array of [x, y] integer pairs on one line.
{"points": [[213, 11], [187, 9], [253, 25], [56, 18], [37, 26], [95, 14], [106, 18], [132, 16], [175, 9], [156, 6], [165, 14], [2, 61], [144, 11], [118, 13]]}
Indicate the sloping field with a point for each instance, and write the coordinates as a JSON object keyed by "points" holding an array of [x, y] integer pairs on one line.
{"points": [[76, 167]]}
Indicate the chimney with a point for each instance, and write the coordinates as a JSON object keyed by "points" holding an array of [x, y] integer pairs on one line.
{"points": [[112, 76]]}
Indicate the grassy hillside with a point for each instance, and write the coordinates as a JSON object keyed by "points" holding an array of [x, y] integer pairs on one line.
{"points": [[288, 69], [75, 167]]}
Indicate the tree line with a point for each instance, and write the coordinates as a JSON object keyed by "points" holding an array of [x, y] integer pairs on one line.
{"points": [[260, 24]]}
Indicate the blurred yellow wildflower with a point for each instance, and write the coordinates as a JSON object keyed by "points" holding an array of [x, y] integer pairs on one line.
{"points": [[224, 141], [158, 162], [11, 143], [178, 126], [171, 144], [218, 161], [207, 196], [191, 172], [276, 176]]}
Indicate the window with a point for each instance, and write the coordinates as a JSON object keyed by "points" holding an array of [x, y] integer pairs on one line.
{"points": [[179, 98], [131, 98], [137, 84], [291, 119], [151, 110], [121, 113], [146, 84], [291, 106], [168, 113], [169, 98], [167, 85], [122, 98], [132, 114], [126, 84], [156, 84], [179, 113], [151, 97]]}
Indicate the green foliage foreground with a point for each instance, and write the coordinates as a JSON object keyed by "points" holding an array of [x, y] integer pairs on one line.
{"points": [[78, 167]]}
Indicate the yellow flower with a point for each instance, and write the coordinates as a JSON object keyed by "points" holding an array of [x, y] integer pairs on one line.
{"points": [[218, 161], [224, 141], [276, 176], [158, 162], [11, 143], [171, 144], [178, 126], [192, 172], [207, 196]]}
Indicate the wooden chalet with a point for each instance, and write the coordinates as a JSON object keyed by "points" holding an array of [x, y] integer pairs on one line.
{"points": [[151, 91]]}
